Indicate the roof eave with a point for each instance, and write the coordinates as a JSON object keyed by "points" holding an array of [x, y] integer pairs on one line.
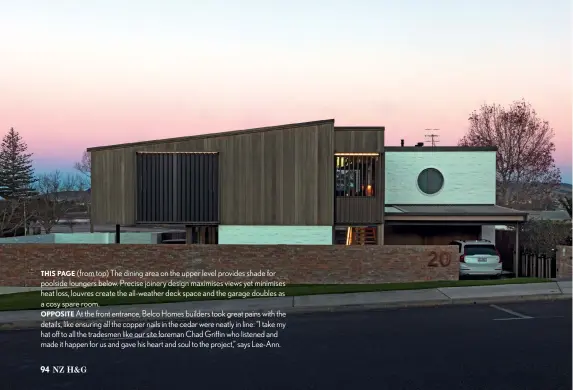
{"points": [[210, 135], [440, 148]]}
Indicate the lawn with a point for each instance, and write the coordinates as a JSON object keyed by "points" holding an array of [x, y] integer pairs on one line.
{"points": [[126, 296]]}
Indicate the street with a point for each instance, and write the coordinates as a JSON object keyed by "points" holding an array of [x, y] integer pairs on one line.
{"points": [[507, 346]]}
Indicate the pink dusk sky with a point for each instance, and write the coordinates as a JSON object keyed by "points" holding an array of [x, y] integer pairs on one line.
{"points": [[77, 74]]}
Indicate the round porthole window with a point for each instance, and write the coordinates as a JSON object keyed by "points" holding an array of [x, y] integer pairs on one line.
{"points": [[430, 181]]}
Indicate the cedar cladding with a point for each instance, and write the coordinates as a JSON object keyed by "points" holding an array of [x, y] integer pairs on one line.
{"points": [[280, 175]]}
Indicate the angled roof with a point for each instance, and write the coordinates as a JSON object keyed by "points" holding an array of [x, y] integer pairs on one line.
{"points": [[213, 135], [359, 128]]}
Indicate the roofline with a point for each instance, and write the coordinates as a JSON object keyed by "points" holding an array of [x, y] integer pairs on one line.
{"points": [[443, 214], [447, 204], [461, 217], [509, 213], [440, 148], [359, 128], [211, 135]]}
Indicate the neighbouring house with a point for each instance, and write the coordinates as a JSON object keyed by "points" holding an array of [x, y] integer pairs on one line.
{"points": [[305, 183], [550, 215]]}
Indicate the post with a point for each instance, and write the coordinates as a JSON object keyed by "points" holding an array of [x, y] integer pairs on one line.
{"points": [[516, 260], [117, 235], [90, 217], [380, 234]]}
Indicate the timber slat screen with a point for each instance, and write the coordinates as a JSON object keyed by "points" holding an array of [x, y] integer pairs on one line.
{"points": [[178, 188], [358, 191]]}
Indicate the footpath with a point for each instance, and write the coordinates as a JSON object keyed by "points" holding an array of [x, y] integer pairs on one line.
{"points": [[24, 319]]}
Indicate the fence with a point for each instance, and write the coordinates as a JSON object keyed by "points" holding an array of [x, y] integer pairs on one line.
{"points": [[534, 265]]}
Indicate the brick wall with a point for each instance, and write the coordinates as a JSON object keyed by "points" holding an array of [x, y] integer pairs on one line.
{"points": [[564, 255], [20, 265]]}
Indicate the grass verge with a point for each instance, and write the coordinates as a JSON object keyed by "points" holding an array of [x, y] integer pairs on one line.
{"points": [[107, 296]]}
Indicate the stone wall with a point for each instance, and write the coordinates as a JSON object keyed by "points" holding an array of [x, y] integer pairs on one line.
{"points": [[20, 265], [564, 254]]}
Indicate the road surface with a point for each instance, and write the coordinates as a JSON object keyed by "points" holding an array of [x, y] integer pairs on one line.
{"points": [[510, 346]]}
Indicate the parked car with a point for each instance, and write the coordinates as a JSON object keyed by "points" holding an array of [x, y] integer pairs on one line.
{"points": [[478, 258]]}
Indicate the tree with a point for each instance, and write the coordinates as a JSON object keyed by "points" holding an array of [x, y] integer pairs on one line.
{"points": [[543, 236], [16, 172], [14, 217], [84, 166], [566, 203], [526, 171], [54, 200]]}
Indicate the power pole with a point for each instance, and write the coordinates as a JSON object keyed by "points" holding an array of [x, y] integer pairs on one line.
{"points": [[432, 136]]}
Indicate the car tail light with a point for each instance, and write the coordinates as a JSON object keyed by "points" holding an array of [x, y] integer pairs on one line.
{"points": [[498, 255], [462, 260]]}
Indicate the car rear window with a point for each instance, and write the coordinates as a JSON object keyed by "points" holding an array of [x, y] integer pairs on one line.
{"points": [[473, 250]]}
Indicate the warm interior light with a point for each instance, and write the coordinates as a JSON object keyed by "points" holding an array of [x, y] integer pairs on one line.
{"points": [[356, 154], [349, 236]]}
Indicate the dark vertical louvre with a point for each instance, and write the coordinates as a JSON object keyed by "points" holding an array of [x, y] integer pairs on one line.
{"points": [[143, 194], [153, 216], [171, 187], [198, 211], [149, 187], [193, 168], [215, 193], [186, 190], [177, 187], [140, 195]]}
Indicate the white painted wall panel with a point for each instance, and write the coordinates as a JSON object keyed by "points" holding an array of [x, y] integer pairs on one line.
{"points": [[488, 233], [275, 235], [469, 177]]}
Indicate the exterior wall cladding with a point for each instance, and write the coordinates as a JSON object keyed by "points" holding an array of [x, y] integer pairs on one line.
{"points": [[275, 235], [279, 175], [271, 182], [469, 177]]}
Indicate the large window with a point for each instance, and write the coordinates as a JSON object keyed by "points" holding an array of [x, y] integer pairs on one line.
{"points": [[356, 174]]}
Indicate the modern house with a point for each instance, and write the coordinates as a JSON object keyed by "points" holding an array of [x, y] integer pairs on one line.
{"points": [[305, 183]]}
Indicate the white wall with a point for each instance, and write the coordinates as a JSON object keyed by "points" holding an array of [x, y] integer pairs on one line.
{"points": [[34, 239], [84, 238], [469, 177], [275, 235], [488, 233]]}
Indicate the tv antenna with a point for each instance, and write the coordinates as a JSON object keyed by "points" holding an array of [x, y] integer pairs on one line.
{"points": [[433, 136]]}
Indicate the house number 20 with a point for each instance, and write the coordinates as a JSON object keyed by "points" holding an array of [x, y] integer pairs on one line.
{"points": [[442, 259]]}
